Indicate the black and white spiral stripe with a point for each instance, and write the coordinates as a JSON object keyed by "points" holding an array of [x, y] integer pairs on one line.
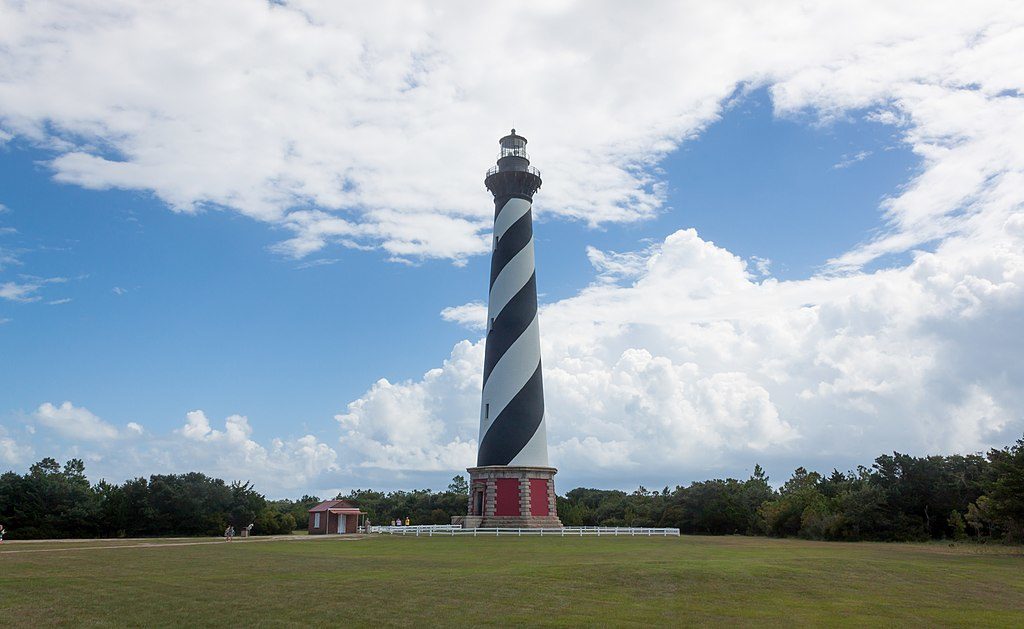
{"points": [[512, 412]]}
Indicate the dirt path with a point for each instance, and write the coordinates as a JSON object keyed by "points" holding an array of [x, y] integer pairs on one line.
{"points": [[114, 544]]}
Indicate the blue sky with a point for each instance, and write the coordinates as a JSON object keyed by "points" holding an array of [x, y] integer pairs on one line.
{"points": [[273, 272], [210, 318]]}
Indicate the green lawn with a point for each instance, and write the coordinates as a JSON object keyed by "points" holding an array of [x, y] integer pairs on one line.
{"points": [[508, 582]]}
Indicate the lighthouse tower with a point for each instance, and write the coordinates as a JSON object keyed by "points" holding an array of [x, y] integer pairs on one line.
{"points": [[512, 483]]}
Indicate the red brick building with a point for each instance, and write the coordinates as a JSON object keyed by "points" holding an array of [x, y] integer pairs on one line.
{"points": [[335, 516]]}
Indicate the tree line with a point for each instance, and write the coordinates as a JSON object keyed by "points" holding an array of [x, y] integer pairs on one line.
{"points": [[51, 501], [898, 498]]}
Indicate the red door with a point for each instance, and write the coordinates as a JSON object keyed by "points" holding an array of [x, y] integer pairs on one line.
{"points": [[507, 500], [539, 497]]}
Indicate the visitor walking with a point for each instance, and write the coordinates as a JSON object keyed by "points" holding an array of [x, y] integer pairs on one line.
{"points": [[229, 533], [2, 531]]}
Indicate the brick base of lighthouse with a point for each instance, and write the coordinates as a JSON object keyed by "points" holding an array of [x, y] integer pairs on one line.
{"points": [[517, 497]]}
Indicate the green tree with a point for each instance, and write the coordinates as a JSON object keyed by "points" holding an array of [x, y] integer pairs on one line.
{"points": [[784, 516], [957, 525], [459, 485], [1006, 490]]}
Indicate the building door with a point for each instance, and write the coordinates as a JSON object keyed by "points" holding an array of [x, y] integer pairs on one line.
{"points": [[478, 503], [341, 522]]}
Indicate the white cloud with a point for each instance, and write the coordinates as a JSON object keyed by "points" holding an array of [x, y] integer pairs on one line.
{"points": [[74, 422], [694, 366], [26, 291], [472, 315], [117, 290], [372, 125], [12, 291], [8, 257], [11, 452], [419, 426], [850, 160], [763, 266], [232, 453], [278, 466]]}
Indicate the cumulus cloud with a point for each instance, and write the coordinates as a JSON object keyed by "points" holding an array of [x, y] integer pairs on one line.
{"points": [[694, 365], [472, 315], [278, 466], [420, 426], [233, 453], [11, 452], [74, 422]]}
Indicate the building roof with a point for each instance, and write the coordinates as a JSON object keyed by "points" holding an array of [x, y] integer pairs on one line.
{"points": [[334, 505]]}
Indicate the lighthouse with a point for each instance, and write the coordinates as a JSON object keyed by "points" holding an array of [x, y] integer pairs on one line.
{"points": [[512, 483]]}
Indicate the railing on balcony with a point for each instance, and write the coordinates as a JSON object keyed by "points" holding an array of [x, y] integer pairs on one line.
{"points": [[529, 169]]}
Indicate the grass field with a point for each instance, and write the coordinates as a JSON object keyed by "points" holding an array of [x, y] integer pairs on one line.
{"points": [[385, 581]]}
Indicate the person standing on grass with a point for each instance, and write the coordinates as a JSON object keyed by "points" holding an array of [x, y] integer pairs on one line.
{"points": [[407, 520], [2, 531]]}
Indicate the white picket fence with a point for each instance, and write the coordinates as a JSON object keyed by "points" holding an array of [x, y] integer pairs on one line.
{"points": [[430, 530], [412, 530]]}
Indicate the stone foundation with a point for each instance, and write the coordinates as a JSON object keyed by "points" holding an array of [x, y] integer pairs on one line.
{"points": [[507, 496]]}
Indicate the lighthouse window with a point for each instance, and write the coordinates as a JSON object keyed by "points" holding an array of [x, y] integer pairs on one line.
{"points": [[487, 411]]}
